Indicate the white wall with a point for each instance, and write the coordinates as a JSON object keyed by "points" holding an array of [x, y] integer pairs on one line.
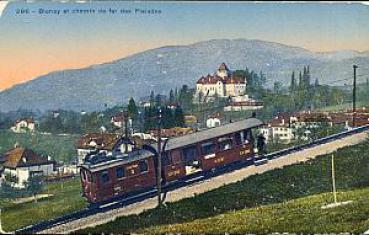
{"points": [[23, 173]]}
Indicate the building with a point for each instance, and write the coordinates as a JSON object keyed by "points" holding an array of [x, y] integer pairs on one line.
{"points": [[102, 142], [240, 103], [285, 126], [172, 132], [118, 120], [23, 163], [278, 130], [214, 120], [24, 125], [222, 84]]}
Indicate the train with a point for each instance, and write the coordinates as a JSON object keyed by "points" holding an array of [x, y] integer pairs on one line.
{"points": [[105, 177]]}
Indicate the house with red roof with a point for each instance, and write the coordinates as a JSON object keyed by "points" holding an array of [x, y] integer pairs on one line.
{"points": [[22, 164]]}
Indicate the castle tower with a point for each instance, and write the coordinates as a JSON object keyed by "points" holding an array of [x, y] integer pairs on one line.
{"points": [[223, 71]]}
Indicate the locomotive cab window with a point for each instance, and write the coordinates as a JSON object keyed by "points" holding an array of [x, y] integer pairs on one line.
{"points": [[225, 143], [208, 148], [189, 154], [105, 176], [143, 166], [247, 136], [120, 172]]}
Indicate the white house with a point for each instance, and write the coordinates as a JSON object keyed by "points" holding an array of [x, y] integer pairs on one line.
{"points": [[214, 120], [24, 125], [278, 129], [222, 84], [23, 163], [118, 121]]}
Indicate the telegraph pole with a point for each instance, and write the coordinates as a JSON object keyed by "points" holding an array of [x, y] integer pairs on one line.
{"points": [[354, 98], [334, 181], [158, 178], [125, 113]]}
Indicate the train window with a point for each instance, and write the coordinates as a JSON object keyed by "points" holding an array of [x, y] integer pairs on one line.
{"points": [[176, 156], [120, 172], [208, 148], [237, 138], [225, 143], [105, 176], [165, 159], [189, 154], [143, 166]]}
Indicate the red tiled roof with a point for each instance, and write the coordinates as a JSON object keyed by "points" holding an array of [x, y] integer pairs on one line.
{"points": [[23, 157], [28, 120], [226, 80], [104, 141]]}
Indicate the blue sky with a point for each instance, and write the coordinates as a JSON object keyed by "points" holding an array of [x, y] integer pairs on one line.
{"points": [[33, 44]]}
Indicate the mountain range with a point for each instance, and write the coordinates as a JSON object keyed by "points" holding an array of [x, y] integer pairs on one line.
{"points": [[168, 67]]}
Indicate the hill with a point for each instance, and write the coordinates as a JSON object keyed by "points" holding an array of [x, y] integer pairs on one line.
{"points": [[168, 67], [303, 215]]}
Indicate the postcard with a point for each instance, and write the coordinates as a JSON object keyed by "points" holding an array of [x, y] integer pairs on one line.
{"points": [[194, 117]]}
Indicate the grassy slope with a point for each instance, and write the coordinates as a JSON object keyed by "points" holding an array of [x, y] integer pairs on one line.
{"points": [[303, 215], [312, 177], [60, 148], [67, 198]]}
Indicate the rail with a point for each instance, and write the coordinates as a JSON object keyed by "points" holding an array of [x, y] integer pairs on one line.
{"points": [[197, 177]]}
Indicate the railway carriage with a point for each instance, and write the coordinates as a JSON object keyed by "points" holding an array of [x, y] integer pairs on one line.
{"points": [[208, 149], [104, 177]]}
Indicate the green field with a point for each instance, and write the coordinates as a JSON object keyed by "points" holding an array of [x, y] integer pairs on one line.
{"points": [[59, 147], [67, 198], [276, 186], [303, 215]]}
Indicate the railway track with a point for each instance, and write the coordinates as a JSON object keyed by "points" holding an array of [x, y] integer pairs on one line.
{"points": [[133, 199]]}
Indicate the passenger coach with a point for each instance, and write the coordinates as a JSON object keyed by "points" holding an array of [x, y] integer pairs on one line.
{"points": [[105, 177]]}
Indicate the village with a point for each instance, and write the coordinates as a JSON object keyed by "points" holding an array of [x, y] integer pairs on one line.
{"points": [[225, 89]]}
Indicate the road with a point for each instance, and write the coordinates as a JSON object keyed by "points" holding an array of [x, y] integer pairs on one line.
{"points": [[207, 185]]}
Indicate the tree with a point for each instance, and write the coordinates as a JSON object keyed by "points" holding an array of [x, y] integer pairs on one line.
{"points": [[158, 100], [316, 84], [293, 82], [132, 109], [34, 185], [7, 191], [179, 117], [277, 87], [172, 98], [152, 98]]}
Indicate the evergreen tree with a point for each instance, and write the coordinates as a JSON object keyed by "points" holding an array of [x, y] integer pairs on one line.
{"points": [[293, 82], [152, 98], [132, 109], [158, 100], [172, 98], [179, 117], [300, 81], [316, 82]]}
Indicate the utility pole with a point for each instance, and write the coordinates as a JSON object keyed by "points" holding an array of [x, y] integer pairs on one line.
{"points": [[354, 98], [158, 178], [125, 113], [334, 181]]}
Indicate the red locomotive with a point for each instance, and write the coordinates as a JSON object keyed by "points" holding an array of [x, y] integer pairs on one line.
{"points": [[105, 177]]}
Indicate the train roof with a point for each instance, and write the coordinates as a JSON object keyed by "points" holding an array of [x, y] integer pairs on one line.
{"points": [[212, 133], [103, 162]]}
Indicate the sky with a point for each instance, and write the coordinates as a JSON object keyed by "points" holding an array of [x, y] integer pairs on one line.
{"points": [[39, 37]]}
